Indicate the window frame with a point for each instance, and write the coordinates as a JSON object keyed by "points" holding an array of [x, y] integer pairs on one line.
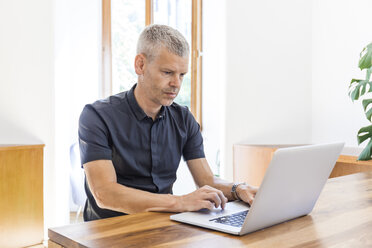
{"points": [[196, 53]]}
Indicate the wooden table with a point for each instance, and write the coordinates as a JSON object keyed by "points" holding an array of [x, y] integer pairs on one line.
{"points": [[342, 217]]}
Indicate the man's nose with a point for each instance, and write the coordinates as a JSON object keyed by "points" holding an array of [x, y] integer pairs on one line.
{"points": [[176, 81]]}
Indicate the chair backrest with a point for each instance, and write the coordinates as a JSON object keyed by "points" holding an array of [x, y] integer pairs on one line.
{"points": [[77, 176]]}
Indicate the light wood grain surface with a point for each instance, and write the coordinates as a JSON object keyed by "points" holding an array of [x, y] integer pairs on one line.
{"points": [[347, 165], [21, 195], [19, 147], [251, 161], [196, 61], [342, 218]]}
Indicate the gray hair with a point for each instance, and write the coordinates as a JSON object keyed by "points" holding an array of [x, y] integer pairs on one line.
{"points": [[155, 36]]}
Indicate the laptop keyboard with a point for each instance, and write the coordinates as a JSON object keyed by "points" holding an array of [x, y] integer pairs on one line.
{"points": [[236, 219]]}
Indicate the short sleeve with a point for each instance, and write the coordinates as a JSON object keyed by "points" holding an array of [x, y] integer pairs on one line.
{"points": [[93, 136], [193, 148]]}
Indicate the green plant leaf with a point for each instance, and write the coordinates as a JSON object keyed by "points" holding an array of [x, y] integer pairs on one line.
{"points": [[354, 89], [363, 91], [363, 134], [365, 103], [354, 81], [358, 88], [366, 153], [368, 74], [365, 60]]}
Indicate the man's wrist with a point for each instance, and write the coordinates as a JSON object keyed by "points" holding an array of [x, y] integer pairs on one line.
{"points": [[177, 203], [239, 190], [234, 190]]}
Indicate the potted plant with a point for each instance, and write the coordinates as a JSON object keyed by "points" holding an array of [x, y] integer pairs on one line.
{"points": [[360, 88]]}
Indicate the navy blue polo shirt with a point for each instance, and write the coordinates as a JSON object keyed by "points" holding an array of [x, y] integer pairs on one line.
{"points": [[145, 153]]}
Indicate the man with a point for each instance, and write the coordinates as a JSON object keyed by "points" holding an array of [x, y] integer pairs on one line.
{"points": [[131, 143]]}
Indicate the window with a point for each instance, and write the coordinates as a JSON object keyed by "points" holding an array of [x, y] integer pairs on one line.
{"points": [[123, 20]]}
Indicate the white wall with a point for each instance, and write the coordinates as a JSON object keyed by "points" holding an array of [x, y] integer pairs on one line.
{"points": [[213, 78], [340, 30], [268, 73], [26, 83], [77, 76]]}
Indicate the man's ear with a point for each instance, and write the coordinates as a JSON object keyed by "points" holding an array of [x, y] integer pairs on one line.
{"points": [[139, 64]]}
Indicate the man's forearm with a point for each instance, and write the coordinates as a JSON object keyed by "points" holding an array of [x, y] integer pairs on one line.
{"points": [[128, 200]]}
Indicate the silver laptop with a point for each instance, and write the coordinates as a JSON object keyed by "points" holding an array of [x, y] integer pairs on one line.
{"points": [[290, 189]]}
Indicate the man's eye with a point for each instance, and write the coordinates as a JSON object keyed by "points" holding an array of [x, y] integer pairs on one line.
{"points": [[167, 72]]}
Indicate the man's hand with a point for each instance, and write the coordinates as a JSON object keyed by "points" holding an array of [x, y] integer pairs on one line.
{"points": [[204, 197], [246, 193]]}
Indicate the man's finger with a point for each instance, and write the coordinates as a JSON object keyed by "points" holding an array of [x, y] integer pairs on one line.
{"points": [[214, 198], [207, 204], [254, 190], [250, 199], [223, 199]]}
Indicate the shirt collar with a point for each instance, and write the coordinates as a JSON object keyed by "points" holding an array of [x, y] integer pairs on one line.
{"points": [[137, 110], [161, 114]]}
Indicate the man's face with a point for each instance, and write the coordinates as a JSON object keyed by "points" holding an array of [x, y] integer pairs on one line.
{"points": [[162, 77]]}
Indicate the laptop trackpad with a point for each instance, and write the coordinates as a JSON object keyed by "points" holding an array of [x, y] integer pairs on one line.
{"points": [[231, 207]]}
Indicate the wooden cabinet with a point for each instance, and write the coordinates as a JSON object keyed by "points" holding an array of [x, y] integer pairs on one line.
{"points": [[21, 195], [347, 165], [251, 161]]}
